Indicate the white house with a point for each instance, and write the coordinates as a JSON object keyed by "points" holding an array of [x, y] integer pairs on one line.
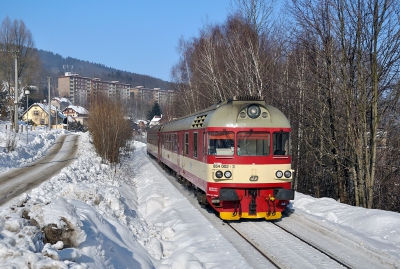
{"points": [[76, 113], [155, 121], [60, 103]]}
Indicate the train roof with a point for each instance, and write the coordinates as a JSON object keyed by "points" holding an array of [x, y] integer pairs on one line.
{"points": [[230, 113]]}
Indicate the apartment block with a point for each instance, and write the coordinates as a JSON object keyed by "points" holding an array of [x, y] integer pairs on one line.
{"points": [[78, 89], [152, 95]]}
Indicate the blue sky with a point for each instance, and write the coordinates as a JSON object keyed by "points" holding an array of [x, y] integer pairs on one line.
{"points": [[134, 35]]}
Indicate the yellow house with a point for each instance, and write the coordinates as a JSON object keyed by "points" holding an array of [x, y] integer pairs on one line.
{"points": [[39, 115]]}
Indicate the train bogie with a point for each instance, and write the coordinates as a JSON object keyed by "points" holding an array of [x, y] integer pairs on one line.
{"points": [[236, 154]]}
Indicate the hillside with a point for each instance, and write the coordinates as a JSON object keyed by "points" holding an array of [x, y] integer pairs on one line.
{"points": [[56, 65]]}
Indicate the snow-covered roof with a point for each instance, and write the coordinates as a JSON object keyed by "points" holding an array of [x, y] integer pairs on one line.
{"points": [[155, 120], [139, 121], [78, 109], [63, 99], [45, 108]]}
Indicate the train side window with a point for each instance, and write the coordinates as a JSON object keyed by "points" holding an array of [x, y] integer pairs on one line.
{"points": [[204, 144], [167, 141], [175, 143], [186, 144], [182, 147], [281, 143], [195, 145]]}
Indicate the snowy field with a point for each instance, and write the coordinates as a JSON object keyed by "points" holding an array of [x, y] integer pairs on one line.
{"points": [[135, 218]]}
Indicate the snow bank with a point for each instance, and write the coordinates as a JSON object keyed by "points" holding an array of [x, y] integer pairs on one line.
{"points": [[88, 216]]}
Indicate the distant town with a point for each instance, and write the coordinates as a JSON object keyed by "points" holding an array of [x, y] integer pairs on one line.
{"points": [[78, 89]]}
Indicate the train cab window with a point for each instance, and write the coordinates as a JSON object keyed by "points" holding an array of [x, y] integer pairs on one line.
{"points": [[221, 143], [252, 143], [195, 145], [281, 143]]}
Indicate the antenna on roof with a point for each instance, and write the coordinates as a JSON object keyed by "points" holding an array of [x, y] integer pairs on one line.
{"points": [[68, 68]]}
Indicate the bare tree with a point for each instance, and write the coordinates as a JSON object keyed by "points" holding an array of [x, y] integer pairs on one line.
{"points": [[337, 79], [108, 127], [225, 60], [15, 37], [353, 58], [257, 13]]}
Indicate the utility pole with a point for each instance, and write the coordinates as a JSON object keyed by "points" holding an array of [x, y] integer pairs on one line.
{"points": [[15, 87], [16, 92], [49, 102]]}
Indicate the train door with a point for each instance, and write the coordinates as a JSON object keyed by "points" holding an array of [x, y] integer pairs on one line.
{"points": [[159, 146], [182, 148], [178, 153]]}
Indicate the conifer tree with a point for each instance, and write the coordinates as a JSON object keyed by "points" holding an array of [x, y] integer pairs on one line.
{"points": [[155, 111]]}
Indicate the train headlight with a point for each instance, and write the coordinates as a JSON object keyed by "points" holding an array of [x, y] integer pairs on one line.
{"points": [[288, 174], [279, 174], [218, 174], [228, 174], [253, 111]]}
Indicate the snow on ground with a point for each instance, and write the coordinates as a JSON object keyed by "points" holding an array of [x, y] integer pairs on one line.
{"points": [[132, 219], [135, 218]]}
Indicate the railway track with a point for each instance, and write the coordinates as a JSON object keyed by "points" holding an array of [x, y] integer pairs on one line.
{"points": [[307, 246], [288, 243], [283, 248]]}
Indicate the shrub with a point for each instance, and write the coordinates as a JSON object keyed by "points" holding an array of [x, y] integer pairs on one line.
{"points": [[109, 129]]}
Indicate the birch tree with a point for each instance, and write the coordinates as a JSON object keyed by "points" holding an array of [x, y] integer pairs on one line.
{"points": [[356, 46]]}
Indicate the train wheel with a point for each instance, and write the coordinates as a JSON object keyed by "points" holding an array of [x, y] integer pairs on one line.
{"points": [[201, 197]]}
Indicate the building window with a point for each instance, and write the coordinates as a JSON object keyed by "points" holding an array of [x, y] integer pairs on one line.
{"points": [[35, 112]]}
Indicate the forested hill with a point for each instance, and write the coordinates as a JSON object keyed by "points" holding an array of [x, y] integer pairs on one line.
{"points": [[54, 63]]}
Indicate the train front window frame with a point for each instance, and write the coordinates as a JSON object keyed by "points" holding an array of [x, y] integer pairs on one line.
{"points": [[281, 143], [253, 143], [221, 143]]}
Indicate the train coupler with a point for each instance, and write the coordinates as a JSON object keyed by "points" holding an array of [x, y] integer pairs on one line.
{"points": [[253, 204]]}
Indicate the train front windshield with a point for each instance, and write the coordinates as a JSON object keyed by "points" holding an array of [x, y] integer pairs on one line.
{"points": [[249, 143], [221, 143], [253, 143]]}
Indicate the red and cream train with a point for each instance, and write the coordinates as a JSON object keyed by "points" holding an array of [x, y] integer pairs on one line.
{"points": [[235, 155]]}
